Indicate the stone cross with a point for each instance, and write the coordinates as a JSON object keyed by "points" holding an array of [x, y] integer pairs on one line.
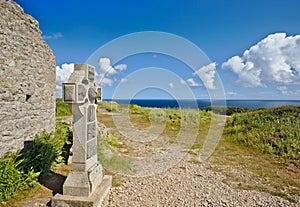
{"points": [[86, 178]]}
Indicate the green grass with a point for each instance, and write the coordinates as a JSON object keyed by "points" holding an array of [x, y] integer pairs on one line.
{"points": [[62, 109], [108, 146], [226, 110], [110, 107], [13, 178], [20, 171], [260, 150], [274, 131]]}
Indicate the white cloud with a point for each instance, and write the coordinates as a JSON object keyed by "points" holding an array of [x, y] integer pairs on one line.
{"points": [[192, 83], [274, 59], [124, 80], [183, 82], [62, 76], [171, 85], [106, 68], [121, 67], [207, 74], [55, 35], [102, 80], [283, 89], [107, 71], [63, 73], [231, 93]]}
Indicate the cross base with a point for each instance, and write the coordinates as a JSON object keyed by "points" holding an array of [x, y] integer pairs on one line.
{"points": [[94, 200]]}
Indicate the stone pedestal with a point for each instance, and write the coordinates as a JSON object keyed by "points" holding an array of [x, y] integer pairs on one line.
{"points": [[86, 184], [93, 200]]}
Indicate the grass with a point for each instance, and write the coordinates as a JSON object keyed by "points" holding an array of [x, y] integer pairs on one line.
{"points": [[62, 109], [274, 131], [19, 172], [109, 157], [259, 150]]}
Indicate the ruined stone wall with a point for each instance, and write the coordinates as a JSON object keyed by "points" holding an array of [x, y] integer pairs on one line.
{"points": [[27, 79]]}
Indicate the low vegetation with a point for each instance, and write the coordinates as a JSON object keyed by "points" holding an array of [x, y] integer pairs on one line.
{"points": [[13, 178], [20, 171], [229, 110], [259, 150], [62, 109], [273, 131]]}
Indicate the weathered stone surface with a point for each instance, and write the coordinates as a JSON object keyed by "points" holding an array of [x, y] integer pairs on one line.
{"points": [[27, 79], [94, 200], [86, 178]]}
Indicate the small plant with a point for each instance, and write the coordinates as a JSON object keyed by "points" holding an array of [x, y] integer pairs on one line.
{"points": [[13, 178], [136, 109], [46, 150], [273, 131], [108, 146], [62, 109]]}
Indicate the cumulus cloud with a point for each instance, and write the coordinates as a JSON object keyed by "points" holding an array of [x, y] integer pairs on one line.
{"points": [[107, 71], [104, 81], [207, 74], [124, 80], [171, 85], [106, 68], [192, 83], [183, 82], [283, 89], [274, 59], [55, 35], [231, 93], [63, 73], [121, 67]]}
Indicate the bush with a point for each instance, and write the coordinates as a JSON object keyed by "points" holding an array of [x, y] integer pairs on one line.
{"points": [[226, 110], [13, 178], [274, 131], [46, 150], [40, 155], [62, 109], [20, 171]]}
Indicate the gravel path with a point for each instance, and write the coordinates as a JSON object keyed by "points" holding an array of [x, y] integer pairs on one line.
{"points": [[187, 184]]}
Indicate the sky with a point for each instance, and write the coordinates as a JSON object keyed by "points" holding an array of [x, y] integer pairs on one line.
{"points": [[156, 49]]}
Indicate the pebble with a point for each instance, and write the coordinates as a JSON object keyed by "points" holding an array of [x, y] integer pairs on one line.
{"points": [[181, 188]]}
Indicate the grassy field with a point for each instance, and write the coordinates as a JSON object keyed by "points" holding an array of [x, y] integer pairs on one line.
{"points": [[259, 149]]}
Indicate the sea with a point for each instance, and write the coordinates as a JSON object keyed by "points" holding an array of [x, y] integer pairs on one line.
{"points": [[202, 103]]}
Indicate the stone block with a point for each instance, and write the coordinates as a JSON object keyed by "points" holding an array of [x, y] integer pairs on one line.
{"points": [[94, 200]]}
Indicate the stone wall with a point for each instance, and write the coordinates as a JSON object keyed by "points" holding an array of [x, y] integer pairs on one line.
{"points": [[27, 79]]}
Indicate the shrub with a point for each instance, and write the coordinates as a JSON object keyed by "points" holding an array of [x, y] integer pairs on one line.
{"points": [[274, 131], [20, 171], [46, 150], [62, 109], [226, 110], [13, 178]]}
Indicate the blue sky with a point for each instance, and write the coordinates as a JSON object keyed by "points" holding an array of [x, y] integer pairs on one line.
{"points": [[253, 46]]}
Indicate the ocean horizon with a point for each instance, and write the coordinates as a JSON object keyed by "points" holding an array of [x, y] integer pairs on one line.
{"points": [[202, 103]]}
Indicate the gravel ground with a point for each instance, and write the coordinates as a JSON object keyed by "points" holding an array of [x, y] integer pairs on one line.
{"points": [[187, 184]]}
